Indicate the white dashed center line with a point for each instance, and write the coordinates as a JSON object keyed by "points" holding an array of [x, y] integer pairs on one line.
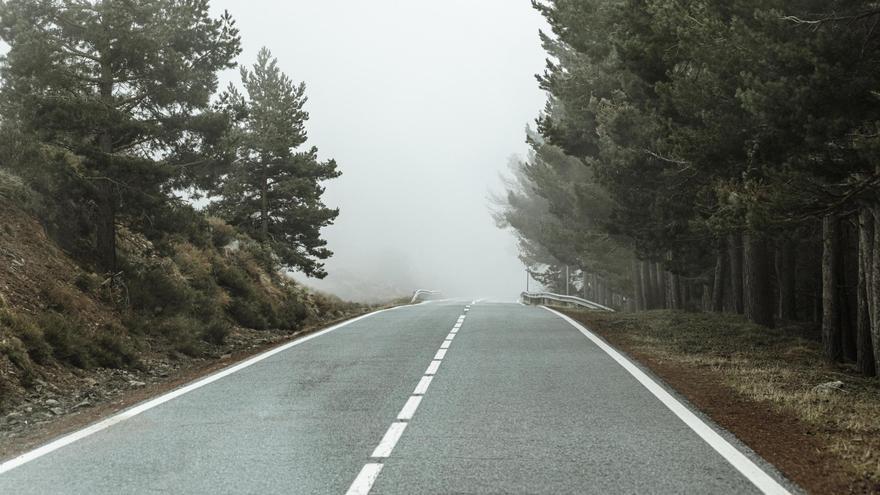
{"points": [[423, 385], [370, 472], [432, 368]]}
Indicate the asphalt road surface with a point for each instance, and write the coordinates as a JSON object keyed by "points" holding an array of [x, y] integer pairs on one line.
{"points": [[445, 397]]}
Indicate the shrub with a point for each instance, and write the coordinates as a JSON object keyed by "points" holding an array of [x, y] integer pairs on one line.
{"points": [[28, 334], [64, 299], [112, 349], [68, 340], [222, 234], [14, 190], [216, 331], [160, 289], [251, 313], [183, 333], [87, 282], [14, 350]]}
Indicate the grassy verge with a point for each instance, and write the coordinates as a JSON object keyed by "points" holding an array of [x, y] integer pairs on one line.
{"points": [[761, 385]]}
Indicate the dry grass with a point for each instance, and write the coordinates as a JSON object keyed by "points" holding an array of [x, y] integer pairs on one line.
{"points": [[778, 367]]}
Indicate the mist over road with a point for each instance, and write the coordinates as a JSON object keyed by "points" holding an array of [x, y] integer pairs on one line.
{"points": [[442, 397]]}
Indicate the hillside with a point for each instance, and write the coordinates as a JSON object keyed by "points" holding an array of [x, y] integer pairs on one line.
{"points": [[71, 340]]}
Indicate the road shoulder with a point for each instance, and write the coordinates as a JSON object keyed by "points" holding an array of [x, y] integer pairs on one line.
{"points": [[719, 377]]}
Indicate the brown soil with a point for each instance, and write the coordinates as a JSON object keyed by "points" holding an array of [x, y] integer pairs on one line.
{"points": [[787, 442]]}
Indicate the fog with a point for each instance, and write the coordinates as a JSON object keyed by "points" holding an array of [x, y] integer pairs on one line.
{"points": [[421, 103]]}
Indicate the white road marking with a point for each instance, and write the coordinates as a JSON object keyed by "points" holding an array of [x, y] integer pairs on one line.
{"points": [[422, 387], [389, 440], [455, 329], [450, 336], [766, 483], [445, 344], [364, 481], [146, 406], [409, 409], [432, 368], [440, 355]]}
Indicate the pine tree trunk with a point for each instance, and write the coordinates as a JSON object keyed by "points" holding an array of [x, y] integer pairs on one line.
{"points": [[662, 294], [847, 297], [736, 271], [874, 289], [674, 291], [607, 297], [785, 274], [865, 350], [830, 280], [264, 209], [105, 235], [757, 289], [720, 279], [646, 286], [637, 287]]}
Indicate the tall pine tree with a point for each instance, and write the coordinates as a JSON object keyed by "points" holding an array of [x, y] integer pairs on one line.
{"points": [[272, 190]]}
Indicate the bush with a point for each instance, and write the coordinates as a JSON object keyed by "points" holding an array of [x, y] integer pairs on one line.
{"points": [[68, 340], [183, 332], [216, 332], [160, 289], [28, 334], [87, 282], [112, 349], [14, 190], [64, 299], [14, 350], [251, 313], [222, 234]]}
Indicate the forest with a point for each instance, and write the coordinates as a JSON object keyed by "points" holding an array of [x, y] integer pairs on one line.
{"points": [[710, 156]]}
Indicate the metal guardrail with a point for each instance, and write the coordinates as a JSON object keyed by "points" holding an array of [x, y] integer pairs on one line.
{"points": [[548, 298], [424, 295]]}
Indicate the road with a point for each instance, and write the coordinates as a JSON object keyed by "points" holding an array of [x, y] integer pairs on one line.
{"points": [[444, 397]]}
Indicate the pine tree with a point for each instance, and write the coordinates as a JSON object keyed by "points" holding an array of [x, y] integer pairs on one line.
{"points": [[123, 85], [272, 190]]}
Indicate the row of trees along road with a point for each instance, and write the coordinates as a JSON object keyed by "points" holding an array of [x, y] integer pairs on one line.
{"points": [[722, 156], [119, 101]]}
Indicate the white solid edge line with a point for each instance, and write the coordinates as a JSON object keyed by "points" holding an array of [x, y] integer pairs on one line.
{"points": [[150, 404], [432, 368], [446, 344], [422, 387], [365, 479], [409, 409], [440, 355], [763, 481], [389, 440]]}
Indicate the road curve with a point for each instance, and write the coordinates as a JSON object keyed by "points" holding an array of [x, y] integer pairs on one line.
{"points": [[443, 397]]}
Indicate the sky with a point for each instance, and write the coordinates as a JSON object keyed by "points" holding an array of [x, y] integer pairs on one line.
{"points": [[421, 103]]}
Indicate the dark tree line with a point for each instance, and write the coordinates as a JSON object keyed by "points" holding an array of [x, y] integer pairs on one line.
{"points": [[721, 156]]}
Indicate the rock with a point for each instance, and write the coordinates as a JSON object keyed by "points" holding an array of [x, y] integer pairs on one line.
{"points": [[829, 387], [90, 382], [51, 402], [57, 411], [85, 403], [135, 383]]}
